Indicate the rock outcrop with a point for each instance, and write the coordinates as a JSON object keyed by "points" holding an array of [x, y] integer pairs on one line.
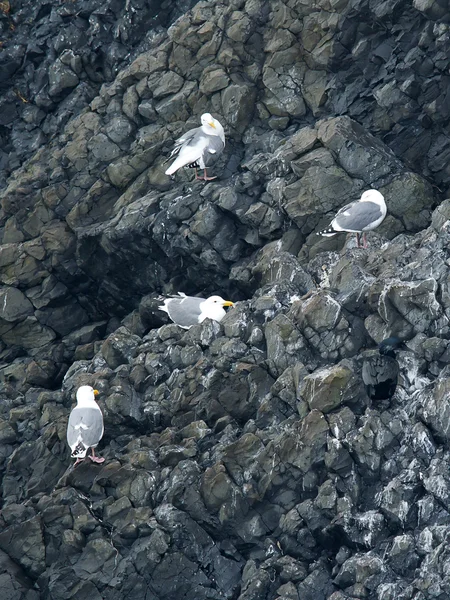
{"points": [[243, 458]]}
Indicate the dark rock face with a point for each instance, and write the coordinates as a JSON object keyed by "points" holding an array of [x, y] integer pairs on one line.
{"points": [[243, 460], [56, 57]]}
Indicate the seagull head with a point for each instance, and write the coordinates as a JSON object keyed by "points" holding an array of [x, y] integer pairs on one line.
{"points": [[86, 394], [219, 301], [372, 196], [211, 126], [208, 120]]}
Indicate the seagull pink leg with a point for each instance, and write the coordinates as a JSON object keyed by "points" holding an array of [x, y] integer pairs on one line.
{"points": [[78, 461], [364, 240], [205, 176], [358, 241], [96, 459]]}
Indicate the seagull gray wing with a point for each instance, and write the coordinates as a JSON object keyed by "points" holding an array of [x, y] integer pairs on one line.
{"points": [[358, 216], [185, 311], [86, 426], [186, 139], [213, 149]]}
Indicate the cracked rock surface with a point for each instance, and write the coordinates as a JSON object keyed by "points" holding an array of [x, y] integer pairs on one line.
{"points": [[244, 460]]}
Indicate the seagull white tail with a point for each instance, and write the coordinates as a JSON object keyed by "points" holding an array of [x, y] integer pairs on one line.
{"points": [[164, 306], [188, 156], [177, 164]]}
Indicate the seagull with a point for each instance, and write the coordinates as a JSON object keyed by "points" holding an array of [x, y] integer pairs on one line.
{"points": [[187, 311], [358, 217], [199, 148], [85, 426], [380, 371]]}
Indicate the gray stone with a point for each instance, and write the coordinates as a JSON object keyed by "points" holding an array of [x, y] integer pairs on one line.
{"points": [[441, 215], [283, 97], [285, 344], [61, 78], [14, 306], [435, 409], [400, 305], [430, 8], [312, 431], [238, 101], [7, 433], [119, 348], [102, 148], [147, 110], [175, 107], [411, 199], [24, 543], [327, 388], [28, 334], [213, 80], [357, 151], [165, 85], [13, 581], [359, 569], [120, 130], [321, 190], [270, 265]]}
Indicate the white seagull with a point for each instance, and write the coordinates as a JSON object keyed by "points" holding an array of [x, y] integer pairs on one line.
{"points": [[187, 311], [358, 217], [199, 148], [85, 426]]}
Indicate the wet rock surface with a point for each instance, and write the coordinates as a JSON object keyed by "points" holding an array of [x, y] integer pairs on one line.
{"points": [[243, 458]]}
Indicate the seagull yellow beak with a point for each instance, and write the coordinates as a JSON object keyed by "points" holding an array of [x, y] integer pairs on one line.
{"points": [[96, 392], [211, 124], [228, 303]]}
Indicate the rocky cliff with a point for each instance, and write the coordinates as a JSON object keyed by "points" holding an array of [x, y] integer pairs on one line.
{"points": [[243, 459]]}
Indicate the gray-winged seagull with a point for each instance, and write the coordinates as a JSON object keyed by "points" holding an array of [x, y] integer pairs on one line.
{"points": [[187, 311], [199, 148], [85, 426], [358, 217]]}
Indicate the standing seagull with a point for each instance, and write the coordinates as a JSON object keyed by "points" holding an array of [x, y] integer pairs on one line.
{"points": [[359, 216], [85, 427], [380, 371], [199, 148], [187, 311]]}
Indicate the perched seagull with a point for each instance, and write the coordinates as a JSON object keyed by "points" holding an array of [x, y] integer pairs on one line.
{"points": [[186, 311], [359, 216], [85, 427], [199, 148], [380, 371]]}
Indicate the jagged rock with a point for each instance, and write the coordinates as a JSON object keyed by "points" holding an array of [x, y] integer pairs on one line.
{"points": [[435, 409], [399, 306], [326, 389], [61, 77], [13, 581], [432, 9], [238, 101], [225, 571], [360, 572], [14, 305], [24, 543], [63, 319], [119, 348]]}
